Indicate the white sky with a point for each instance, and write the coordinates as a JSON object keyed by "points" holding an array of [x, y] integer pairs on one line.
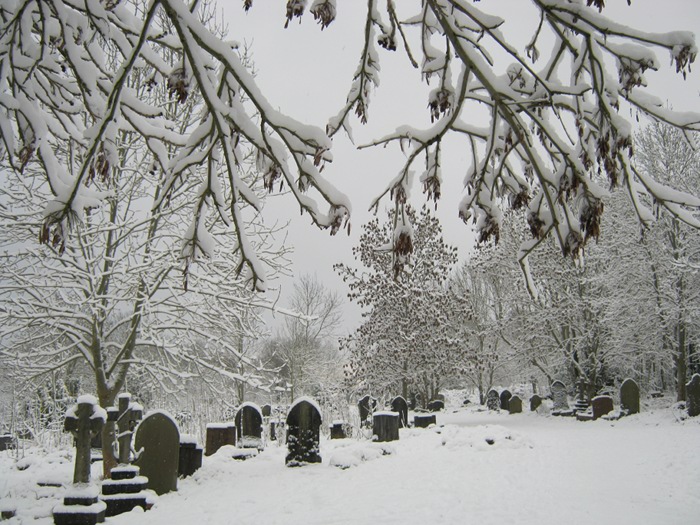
{"points": [[306, 73]]}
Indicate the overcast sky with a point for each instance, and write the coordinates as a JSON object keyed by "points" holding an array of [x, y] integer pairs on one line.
{"points": [[306, 73]]}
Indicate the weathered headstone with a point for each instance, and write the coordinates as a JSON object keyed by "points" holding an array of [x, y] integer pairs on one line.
{"points": [[504, 398], [157, 448], [249, 422], [436, 405], [493, 402], [266, 410], [126, 417], [338, 430], [629, 397], [385, 426], [601, 405], [366, 405], [559, 398], [303, 433], [515, 405], [535, 402], [218, 435], [400, 406], [424, 420], [190, 457], [6, 442], [692, 389]]}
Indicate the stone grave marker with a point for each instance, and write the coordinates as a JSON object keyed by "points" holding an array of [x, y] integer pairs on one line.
{"points": [[157, 450], [6, 442], [400, 406], [693, 395], [266, 410], [190, 456], [218, 435], [493, 401], [515, 405], [424, 420], [559, 398], [601, 405], [629, 397], [303, 433], [436, 405], [338, 430], [504, 398], [535, 402], [125, 491], [249, 426], [126, 416], [367, 405], [581, 403], [385, 426]]}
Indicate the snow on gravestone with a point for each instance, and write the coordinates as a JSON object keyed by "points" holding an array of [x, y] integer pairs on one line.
{"points": [[399, 405], [249, 420], [559, 397], [515, 405], [693, 395], [218, 435], [505, 398], [366, 406], [385, 426], [303, 433], [493, 402], [535, 402], [601, 405], [629, 397], [158, 447]]}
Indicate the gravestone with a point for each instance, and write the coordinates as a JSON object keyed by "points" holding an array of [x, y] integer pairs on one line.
{"points": [[385, 426], [266, 410], [629, 397], [81, 504], [535, 402], [366, 405], [581, 403], [504, 398], [249, 426], [436, 405], [493, 402], [424, 420], [218, 435], [125, 491], [515, 405], [693, 395], [559, 398], [338, 430], [399, 405], [126, 416], [413, 400], [190, 456], [157, 449], [6, 442], [303, 433], [601, 405]]}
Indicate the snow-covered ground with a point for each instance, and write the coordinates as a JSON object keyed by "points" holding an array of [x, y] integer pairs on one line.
{"points": [[643, 469]]}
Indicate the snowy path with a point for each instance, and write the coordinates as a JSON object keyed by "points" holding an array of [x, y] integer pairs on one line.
{"points": [[540, 470]]}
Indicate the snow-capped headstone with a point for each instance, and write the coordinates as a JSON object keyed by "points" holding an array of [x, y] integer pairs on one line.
{"points": [[303, 433], [559, 398], [385, 426], [629, 397], [692, 389], [157, 448], [504, 398], [601, 405], [338, 430], [535, 402], [367, 405], [218, 435], [126, 417], [399, 405], [515, 405], [424, 420], [493, 402], [190, 457], [6, 442], [436, 405], [84, 420], [249, 426], [125, 491]]}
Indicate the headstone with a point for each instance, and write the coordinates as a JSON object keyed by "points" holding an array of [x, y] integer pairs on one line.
{"points": [[693, 395], [81, 506], [126, 416], [273, 431], [559, 397], [399, 405], [385, 426], [218, 435], [190, 457], [366, 405], [504, 398], [249, 421], [535, 402], [515, 405], [303, 433], [338, 430], [601, 405], [157, 449], [493, 402], [424, 420], [629, 397], [6, 442], [125, 491], [266, 410], [436, 405]]}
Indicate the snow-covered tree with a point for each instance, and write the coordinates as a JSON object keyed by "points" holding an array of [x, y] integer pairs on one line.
{"points": [[553, 113]]}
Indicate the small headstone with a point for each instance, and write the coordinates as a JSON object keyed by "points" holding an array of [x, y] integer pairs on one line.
{"points": [[158, 449], [535, 402], [367, 406], [266, 410], [515, 405], [190, 457], [601, 405], [6, 442], [559, 397], [424, 420], [436, 405], [303, 433], [493, 402], [126, 416], [338, 430], [218, 435], [400, 406], [125, 491], [249, 422], [385, 426], [629, 397], [504, 398], [81, 506], [693, 395]]}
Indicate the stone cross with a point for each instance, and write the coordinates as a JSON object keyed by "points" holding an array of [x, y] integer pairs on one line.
{"points": [[126, 416], [84, 420]]}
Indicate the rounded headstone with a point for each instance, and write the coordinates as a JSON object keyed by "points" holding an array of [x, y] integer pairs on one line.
{"points": [[399, 405], [629, 397], [515, 405], [303, 433], [504, 399], [158, 447]]}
